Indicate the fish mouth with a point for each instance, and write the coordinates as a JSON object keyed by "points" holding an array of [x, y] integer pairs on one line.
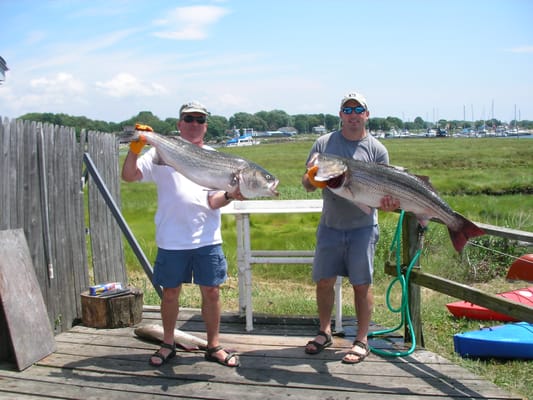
{"points": [[273, 186], [336, 182]]}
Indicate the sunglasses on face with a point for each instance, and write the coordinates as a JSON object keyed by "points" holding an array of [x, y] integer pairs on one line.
{"points": [[357, 110], [191, 118]]}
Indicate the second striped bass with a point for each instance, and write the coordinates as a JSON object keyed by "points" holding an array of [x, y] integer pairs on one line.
{"points": [[365, 184]]}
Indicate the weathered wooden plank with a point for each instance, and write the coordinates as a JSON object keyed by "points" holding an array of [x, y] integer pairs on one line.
{"points": [[34, 226], [55, 299], [71, 196], [345, 379], [93, 385], [81, 265], [508, 233], [22, 301], [108, 255], [521, 312], [19, 396], [4, 166]]}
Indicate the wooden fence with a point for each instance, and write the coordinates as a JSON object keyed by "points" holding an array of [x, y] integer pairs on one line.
{"points": [[43, 192]]}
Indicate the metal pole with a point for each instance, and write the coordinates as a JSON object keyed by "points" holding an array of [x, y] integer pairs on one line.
{"points": [[121, 221]]}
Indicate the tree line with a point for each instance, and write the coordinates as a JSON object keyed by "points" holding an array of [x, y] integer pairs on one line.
{"points": [[220, 127]]}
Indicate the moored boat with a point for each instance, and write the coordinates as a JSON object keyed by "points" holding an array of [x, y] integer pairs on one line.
{"points": [[521, 269], [473, 311], [509, 341]]}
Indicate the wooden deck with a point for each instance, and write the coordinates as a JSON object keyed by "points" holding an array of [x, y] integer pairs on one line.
{"points": [[113, 364]]}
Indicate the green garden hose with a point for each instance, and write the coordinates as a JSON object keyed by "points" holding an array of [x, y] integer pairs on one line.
{"points": [[404, 305]]}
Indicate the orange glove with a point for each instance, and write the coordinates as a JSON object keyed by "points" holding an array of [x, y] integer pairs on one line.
{"points": [[311, 173], [137, 145]]}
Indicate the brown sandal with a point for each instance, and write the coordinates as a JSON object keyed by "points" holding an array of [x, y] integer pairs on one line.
{"points": [[319, 346], [210, 357]]}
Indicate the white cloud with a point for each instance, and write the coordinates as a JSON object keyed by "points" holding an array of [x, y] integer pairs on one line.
{"points": [[521, 49], [192, 23], [44, 94], [60, 83], [124, 84]]}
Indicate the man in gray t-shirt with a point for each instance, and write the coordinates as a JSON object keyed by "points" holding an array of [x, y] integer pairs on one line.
{"points": [[346, 235]]}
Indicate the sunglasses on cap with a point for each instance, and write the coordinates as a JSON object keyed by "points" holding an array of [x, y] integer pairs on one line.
{"points": [[357, 110], [190, 118]]}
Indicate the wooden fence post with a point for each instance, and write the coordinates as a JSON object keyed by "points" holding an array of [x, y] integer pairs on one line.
{"points": [[412, 239]]}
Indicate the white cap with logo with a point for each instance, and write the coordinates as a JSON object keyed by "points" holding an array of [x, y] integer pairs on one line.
{"points": [[354, 96]]}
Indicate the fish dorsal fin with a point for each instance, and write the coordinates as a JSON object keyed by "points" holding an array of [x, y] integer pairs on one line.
{"points": [[425, 179]]}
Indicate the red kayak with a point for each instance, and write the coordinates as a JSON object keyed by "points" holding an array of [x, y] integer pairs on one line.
{"points": [[473, 311], [521, 269]]}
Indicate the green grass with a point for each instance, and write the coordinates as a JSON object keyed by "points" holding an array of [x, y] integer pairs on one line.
{"points": [[487, 180]]}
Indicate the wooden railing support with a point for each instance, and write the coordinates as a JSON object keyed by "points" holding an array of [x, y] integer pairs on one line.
{"points": [[412, 241], [246, 256]]}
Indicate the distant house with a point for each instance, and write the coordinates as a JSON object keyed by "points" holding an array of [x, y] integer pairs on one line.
{"points": [[320, 129], [3, 69]]}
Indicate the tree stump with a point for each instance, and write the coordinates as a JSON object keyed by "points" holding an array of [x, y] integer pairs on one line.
{"points": [[112, 312]]}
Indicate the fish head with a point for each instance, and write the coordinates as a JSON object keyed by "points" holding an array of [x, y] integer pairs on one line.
{"points": [[255, 181], [331, 169]]}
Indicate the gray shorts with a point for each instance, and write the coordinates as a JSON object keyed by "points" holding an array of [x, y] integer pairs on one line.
{"points": [[345, 253], [206, 264]]}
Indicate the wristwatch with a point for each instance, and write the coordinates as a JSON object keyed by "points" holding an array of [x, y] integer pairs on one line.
{"points": [[226, 196]]}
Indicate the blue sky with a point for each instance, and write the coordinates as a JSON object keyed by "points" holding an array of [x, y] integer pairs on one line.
{"points": [[109, 60]]}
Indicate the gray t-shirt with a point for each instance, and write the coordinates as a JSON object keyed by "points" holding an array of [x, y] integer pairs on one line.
{"points": [[337, 212]]}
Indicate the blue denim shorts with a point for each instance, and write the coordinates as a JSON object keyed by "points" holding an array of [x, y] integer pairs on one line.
{"points": [[207, 265], [345, 253]]}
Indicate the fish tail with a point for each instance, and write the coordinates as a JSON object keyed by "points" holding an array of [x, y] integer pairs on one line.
{"points": [[128, 137], [467, 229]]}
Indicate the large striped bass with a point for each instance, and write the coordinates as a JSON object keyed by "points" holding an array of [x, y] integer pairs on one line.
{"points": [[365, 184], [208, 168]]}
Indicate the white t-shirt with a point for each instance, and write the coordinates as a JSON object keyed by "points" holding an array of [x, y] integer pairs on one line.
{"points": [[183, 218]]}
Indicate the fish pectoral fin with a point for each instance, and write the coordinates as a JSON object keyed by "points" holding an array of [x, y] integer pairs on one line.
{"points": [[157, 160], [366, 209], [423, 220]]}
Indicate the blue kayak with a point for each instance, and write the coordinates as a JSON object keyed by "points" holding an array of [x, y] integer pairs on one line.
{"points": [[509, 341]]}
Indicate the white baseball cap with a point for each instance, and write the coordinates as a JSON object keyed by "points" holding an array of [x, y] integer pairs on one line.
{"points": [[354, 96]]}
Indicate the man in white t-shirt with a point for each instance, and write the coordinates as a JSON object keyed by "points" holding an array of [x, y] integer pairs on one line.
{"points": [[188, 237]]}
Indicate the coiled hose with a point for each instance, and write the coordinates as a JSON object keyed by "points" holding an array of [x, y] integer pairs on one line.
{"points": [[404, 304]]}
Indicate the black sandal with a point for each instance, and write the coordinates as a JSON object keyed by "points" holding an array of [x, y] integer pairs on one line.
{"points": [[319, 346], [361, 355], [210, 357], [157, 354]]}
